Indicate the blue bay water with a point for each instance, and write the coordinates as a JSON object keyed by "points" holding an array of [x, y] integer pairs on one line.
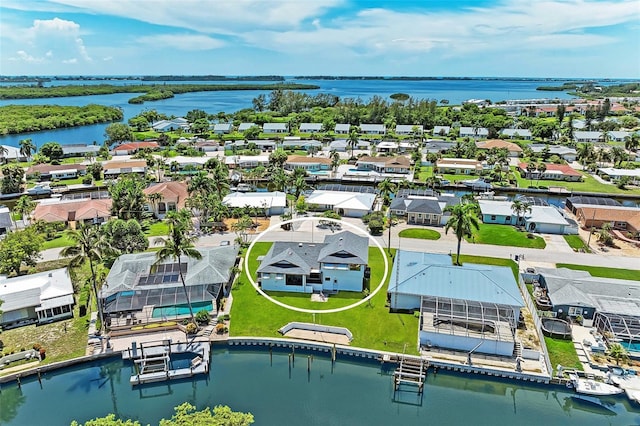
{"points": [[455, 91], [349, 393]]}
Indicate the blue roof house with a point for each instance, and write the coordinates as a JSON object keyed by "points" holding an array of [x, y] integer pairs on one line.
{"points": [[465, 308], [338, 264]]}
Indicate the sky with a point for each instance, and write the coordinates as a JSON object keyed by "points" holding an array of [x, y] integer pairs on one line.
{"points": [[458, 38]]}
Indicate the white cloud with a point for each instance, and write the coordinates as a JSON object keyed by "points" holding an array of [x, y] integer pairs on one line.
{"points": [[182, 41], [25, 57], [70, 61]]}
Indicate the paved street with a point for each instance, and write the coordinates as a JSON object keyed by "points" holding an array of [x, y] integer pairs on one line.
{"points": [[557, 250]]}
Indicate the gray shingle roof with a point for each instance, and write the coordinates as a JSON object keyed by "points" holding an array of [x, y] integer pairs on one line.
{"points": [[345, 242]]}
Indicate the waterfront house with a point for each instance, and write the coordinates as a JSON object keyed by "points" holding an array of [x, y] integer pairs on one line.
{"points": [[459, 166], [80, 150], [345, 203], [342, 129], [5, 220], [615, 175], [275, 128], [36, 298], [524, 134], [113, 169], [246, 161], [409, 129], [271, 203], [384, 165], [610, 305], [566, 153], [621, 218], [464, 308], [44, 172], [11, 153], [141, 290], [441, 130], [513, 149], [474, 132], [373, 129], [178, 123], [222, 128], [310, 164], [562, 172], [173, 196], [337, 264], [342, 145], [310, 127], [245, 126], [542, 218], [586, 136], [85, 210], [573, 203], [422, 206], [303, 144], [130, 148]]}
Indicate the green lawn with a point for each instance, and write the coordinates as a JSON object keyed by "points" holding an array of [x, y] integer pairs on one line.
{"points": [[423, 234], [371, 324], [588, 185], [157, 229], [61, 241], [505, 235], [600, 271], [562, 352], [576, 242]]}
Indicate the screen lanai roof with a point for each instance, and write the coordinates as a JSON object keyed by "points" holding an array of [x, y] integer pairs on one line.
{"points": [[428, 274], [347, 188], [600, 201]]}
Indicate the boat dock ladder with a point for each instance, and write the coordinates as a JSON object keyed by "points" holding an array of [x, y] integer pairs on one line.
{"points": [[412, 372]]}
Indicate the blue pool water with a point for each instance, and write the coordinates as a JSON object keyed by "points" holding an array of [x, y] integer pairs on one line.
{"points": [[631, 346], [178, 310], [318, 172], [350, 392]]}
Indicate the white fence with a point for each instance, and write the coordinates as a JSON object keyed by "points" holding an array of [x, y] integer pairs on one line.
{"points": [[316, 327]]}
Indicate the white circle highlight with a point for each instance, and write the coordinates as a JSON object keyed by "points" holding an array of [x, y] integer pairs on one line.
{"points": [[315, 311]]}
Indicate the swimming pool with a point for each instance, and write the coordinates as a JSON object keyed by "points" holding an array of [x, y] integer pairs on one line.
{"points": [[350, 392], [631, 346], [180, 310], [318, 172]]}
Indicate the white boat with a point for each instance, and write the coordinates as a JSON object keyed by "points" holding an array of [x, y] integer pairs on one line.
{"points": [[592, 387]]}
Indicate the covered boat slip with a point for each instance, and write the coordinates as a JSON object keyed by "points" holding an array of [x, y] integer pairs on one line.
{"points": [[467, 326]]}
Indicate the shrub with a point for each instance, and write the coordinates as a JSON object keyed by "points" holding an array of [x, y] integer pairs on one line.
{"points": [[42, 353], [202, 317], [87, 180], [191, 328]]}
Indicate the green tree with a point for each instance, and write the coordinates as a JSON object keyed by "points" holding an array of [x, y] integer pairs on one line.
{"points": [[117, 133], [386, 188], [186, 414], [520, 207], [128, 198], [251, 133], [27, 147], [95, 170], [125, 236], [24, 206], [12, 177], [618, 352], [335, 161], [53, 150], [19, 247], [278, 157], [200, 126], [352, 141], [88, 244], [463, 221], [179, 244]]}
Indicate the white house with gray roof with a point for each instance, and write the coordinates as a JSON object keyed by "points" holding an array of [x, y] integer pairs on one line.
{"points": [[275, 128], [36, 298], [337, 264], [373, 129], [139, 287], [347, 204], [342, 128], [246, 126], [222, 128], [310, 127], [524, 134], [542, 219], [409, 129], [465, 308], [474, 132]]}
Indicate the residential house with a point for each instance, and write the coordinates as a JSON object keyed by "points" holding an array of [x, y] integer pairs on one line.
{"points": [[272, 203], [275, 128], [86, 210], [459, 166], [387, 147], [422, 206], [345, 203], [337, 264], [113, 169], [342, 129], [172, 125], [342, 145], [437, 146], [208, 146], [610, 305], [56, 171], [562, 172], [586, 136], [615, 175], [36, 298], [173, 196], [131, 148], [409, 129], [245, 126], [246, 161], [566, 153], [469, 308], [304, 144], [310, 164], [573, 203], [373, 129], [222, 128], [544, 219], [626, 219], [186, 165], [5, 220], [310, 127], [513, 148], [618, 135], [524, 134], [441, 130], [80, 150], [11, 153], [142, 290], [384, 165], [474, 132]]}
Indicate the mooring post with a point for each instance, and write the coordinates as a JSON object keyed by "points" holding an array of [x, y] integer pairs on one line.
{"points": [[39, 377], [309, 363], [293, 353], [270, 355], [289, 361], [333, 353], [18, 380]]}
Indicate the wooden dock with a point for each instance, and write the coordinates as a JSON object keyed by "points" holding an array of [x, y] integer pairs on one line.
{"points": [[412, 372]]}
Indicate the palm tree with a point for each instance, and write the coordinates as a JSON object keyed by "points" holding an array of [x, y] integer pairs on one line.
{"points": [[154, 198], [618, 352], [585, 153], [531, 167], [335, 161], [352, 141], [3, 153], [520, 207], [24, 205], [178, 244], [88, 244], [542, 167], [463, 220], [632, 142], [618, 155], [27, 148], [386, 188]]}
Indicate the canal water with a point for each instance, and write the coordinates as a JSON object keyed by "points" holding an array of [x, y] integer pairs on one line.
{"points": [[351, 392]]}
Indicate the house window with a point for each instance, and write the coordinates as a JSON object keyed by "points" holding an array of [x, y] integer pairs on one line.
{"points": [[573, 311], [327, 278], [279, 276], [419, 215], [493, 217], [266, 276]]}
